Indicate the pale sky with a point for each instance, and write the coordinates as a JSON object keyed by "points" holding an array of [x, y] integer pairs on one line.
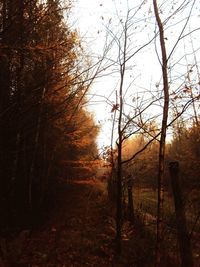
{"points": [[91, 17]]}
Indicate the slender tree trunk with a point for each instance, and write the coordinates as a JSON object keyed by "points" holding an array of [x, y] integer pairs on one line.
{"points": [[17, 171], [112, 179], [196, 117], [119, 158], [162, 138], [183, 235], [119, 178], [119, 198], [5, 151], [35, 149]]}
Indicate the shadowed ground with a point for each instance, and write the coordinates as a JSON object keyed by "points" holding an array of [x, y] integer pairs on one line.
{"points": [[74, 235]]}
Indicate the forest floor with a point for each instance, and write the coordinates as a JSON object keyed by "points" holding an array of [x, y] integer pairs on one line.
{"points": [[79, 232]]}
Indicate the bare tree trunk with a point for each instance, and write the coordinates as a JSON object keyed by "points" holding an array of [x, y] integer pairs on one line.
{"points": [[36, 143], [119, 197], [196, 117], [112, 179], [5, 155], [20, 96], [162, 138], [119, 177], [183, 235], [120, 142]]}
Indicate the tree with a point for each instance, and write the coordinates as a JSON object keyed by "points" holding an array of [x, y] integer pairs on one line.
{"points": [[166, 89], [162, 136], [129, 120]]}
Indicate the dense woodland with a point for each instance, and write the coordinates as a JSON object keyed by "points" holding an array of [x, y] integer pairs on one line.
{"points": [[48, 138], [43, 122]]}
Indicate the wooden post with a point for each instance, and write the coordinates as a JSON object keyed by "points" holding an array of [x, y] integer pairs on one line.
{"points": [[183, 235]]}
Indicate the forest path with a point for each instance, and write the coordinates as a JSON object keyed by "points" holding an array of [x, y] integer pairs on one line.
{"points": [[77, 234]]}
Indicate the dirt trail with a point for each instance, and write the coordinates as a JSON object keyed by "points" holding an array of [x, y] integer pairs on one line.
{"points": [[74, 235]]}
